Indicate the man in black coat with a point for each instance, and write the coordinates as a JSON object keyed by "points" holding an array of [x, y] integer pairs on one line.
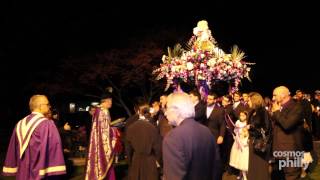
{"points": [[238, 105], [215, 118], [316, 115], [199, 106], [307, 107], [216, 123], [143, 147], [288, 130], [189, 150]]}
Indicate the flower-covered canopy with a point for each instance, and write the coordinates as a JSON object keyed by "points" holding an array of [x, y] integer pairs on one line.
{"points": [[204, 62]]}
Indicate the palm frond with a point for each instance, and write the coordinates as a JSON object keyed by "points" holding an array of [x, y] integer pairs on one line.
{"points": [[237, 54], [189, 44], [169, 54], [177, 50]]}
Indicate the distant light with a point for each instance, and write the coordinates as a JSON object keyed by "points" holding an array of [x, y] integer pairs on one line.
{"points": [[94, 103], [72, 107], [87, 108], [81, 109]]}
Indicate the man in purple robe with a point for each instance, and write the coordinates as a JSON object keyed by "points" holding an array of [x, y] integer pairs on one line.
{"points": [[102, 142], [35, 149]]}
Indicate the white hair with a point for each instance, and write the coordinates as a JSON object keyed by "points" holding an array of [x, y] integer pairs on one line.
{"points": [[182, 103]]}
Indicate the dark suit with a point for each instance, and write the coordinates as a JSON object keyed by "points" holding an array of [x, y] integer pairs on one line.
{"points": [[240, 108], [288, 127], [288, 132], [217, 125], [216, 122], [164, 126], [200, 112], [190, 152], [307, 111], [316, 120], [228, 142]]}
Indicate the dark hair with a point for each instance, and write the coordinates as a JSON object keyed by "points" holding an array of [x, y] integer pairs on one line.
{"points": [[229, 97], [245, 112], [92, 107], [238, 93], [54, 111], [105, 96], [195, 93], [144, 110], [211, 93]]}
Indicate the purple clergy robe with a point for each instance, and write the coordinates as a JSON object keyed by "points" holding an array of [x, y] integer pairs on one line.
{"points": [[101, 148], [35, 149]]}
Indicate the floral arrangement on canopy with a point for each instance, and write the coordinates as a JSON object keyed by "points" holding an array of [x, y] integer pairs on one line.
{"points": [[203, 62]]}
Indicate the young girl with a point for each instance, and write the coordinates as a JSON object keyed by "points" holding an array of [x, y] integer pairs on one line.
{"points": [[239, 156]]}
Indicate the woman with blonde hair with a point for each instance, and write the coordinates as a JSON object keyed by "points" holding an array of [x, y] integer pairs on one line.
{"points": [[259, 122]]}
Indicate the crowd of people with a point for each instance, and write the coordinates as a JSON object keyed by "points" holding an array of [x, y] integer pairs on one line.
{"points": [[180, 136]]}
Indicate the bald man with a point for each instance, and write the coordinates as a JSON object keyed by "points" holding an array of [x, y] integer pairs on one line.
{"points": [[35, 149], [189, 150], [288, 131]]}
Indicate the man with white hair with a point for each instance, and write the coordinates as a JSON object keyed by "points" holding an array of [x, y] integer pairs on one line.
{"points": [[189, 150], [288, 129]]}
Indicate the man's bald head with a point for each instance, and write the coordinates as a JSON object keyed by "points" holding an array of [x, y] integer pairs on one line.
{"points": [[39, 103], [281, 94]]}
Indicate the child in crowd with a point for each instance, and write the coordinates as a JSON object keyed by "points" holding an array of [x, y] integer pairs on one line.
{"points": [[239, 156]]}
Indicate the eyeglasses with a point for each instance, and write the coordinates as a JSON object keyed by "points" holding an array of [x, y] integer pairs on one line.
{"points": [[48, 104]]}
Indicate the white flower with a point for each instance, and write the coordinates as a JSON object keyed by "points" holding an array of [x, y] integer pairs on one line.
{"points": [[203, 25], [196, 31], [163, 58], [219, 52], [202, 56], [204, 36], [173, 68], [212, 62], [189, 66]]}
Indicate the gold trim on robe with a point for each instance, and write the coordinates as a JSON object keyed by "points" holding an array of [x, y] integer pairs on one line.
{"points": [[51, 170], [10, 169], [100, 152]]}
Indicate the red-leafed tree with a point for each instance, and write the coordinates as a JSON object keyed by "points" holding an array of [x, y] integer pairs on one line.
{"points": [[127, 70]]}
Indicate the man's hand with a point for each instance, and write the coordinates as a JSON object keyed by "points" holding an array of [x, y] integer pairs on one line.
{"points": [[220, 140], [275, 107], [66, 127]]}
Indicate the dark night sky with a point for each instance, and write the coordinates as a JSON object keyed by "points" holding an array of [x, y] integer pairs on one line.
{"points": [[274, 36]]}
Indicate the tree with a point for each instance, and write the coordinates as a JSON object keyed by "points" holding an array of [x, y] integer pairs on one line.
{"points": [[127, 70]]}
